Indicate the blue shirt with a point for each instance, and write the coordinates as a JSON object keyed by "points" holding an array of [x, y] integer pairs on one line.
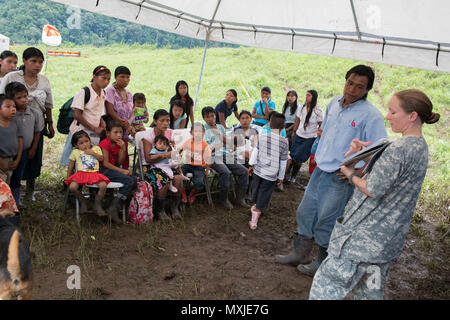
{"points": [[176, 123], [213, 138], [359, 120], [260, 107], [222, 107], [268, 129]]}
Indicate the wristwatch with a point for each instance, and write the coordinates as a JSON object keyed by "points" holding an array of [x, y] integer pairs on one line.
{"points": [[351, 177]]}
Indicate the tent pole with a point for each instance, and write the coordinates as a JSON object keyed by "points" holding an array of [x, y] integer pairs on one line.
{"points": [[208, 35], [201, 74]]}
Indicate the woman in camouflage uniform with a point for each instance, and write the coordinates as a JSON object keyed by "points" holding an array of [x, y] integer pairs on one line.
{"points": [[372, 231]]}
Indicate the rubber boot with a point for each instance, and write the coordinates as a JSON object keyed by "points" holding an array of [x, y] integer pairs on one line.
{"points": [[311, 268], [160, 210], [113, 210], [240, 197], [192, 195], [98, 206], [253, 223], [174, 208], [29, 191], [302, 248], [223, 200]]}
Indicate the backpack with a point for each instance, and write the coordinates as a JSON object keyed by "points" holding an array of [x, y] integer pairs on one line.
{"points": [[141, 205], [65, 117]]}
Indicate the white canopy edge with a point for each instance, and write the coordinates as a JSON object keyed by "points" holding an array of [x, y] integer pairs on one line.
{"points": [[354, 44]]}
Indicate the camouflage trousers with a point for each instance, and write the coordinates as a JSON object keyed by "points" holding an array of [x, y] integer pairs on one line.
{"points": [[338, 278]]}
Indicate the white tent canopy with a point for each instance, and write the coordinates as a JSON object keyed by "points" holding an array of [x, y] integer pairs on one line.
{"points": [[412, 33]]}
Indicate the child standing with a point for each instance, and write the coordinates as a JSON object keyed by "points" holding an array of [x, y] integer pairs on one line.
{"points": [[182, 93], [267, 165], [177, 114], [162, 145], [10, 149], [197, 159], [114, 153], [86, 157], [261, 109], [140, 113], [29, 121]]}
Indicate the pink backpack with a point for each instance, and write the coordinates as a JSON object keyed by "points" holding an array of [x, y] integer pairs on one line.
{"points": [[141, 205]]}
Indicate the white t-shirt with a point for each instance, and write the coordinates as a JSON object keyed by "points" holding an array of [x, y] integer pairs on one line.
{"points": [[313, 124]]}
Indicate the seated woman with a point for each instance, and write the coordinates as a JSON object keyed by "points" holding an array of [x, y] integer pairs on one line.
{"points": [[372, 231], [226, 107], [156, 176]]}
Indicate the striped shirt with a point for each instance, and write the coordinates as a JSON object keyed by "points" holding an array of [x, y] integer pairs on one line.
{"points": [[268, 157]]}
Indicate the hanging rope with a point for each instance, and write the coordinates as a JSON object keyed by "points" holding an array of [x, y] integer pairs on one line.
{"points": [[334, 43], [179, 20], [382, 50], [140, 8], [437, 54]]}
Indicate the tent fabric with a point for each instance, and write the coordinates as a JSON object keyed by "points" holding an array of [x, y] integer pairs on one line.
{"points": [[410, 33]]}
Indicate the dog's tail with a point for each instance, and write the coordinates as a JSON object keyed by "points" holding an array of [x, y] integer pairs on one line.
{"points": [[21, 288]]}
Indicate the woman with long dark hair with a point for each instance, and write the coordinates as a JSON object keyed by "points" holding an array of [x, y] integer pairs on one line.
{"points": [[39, 97], [119, 105], [182, 93], [308, 119], [289, 109]]}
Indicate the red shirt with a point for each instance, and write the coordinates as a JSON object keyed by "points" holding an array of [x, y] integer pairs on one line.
{"points": [[113, 152]]}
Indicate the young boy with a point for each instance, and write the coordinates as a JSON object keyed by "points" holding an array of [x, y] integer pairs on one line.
{"points": [[10, 149], [197, 159], [224, 165], [29, 121], [140, 113], [267, 165], [262, 108]]}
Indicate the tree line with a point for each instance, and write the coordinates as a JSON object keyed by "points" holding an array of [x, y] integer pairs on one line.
{"points": [[22, 22]]}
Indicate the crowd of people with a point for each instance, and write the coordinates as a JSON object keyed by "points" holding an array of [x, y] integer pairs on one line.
{"points": [[359, 222]]}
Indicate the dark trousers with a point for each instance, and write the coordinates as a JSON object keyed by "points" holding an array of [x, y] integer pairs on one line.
{"points": [[262, 191], [129, 182], [198, 173], [17, 175], [226, 169]]}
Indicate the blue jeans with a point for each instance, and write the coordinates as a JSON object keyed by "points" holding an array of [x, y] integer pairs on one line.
{"points": [[64, 160], [324, 201], [129, 182], [198, 173], [262, 191]]}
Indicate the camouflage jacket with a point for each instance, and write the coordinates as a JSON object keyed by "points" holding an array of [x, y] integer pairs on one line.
{"points": [[374, 230]]}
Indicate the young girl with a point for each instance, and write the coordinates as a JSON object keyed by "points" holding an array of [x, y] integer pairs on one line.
{"points": [[114, 153], [162, 146], [86, 157], [197, 159], [140, 114], [289, 110], [226, 107], [307, 120], [8, 62], [177, 114], [247, 136], [182, 93], [88, 117]]}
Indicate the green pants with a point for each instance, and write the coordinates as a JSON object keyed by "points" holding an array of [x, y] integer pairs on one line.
{"points": [[336, 278]]}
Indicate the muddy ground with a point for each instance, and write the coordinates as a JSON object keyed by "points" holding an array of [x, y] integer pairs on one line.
{"points": [[210, 254]]}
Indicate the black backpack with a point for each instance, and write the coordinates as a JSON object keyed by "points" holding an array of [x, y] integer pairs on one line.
{"points": [[65, 117]]}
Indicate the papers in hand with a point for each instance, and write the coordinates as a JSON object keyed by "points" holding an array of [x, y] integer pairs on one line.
{"points": [[374, 150]]}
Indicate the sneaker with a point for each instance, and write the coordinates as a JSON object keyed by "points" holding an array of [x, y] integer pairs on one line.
{"points": [[292, 179], [172, 188], [253, 223]]}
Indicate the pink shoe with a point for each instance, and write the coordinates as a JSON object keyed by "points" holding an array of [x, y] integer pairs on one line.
{"points": [[172, 188], [255, 216]]}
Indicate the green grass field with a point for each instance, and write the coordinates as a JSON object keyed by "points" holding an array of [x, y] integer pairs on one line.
{"points": [[155, 72]]}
